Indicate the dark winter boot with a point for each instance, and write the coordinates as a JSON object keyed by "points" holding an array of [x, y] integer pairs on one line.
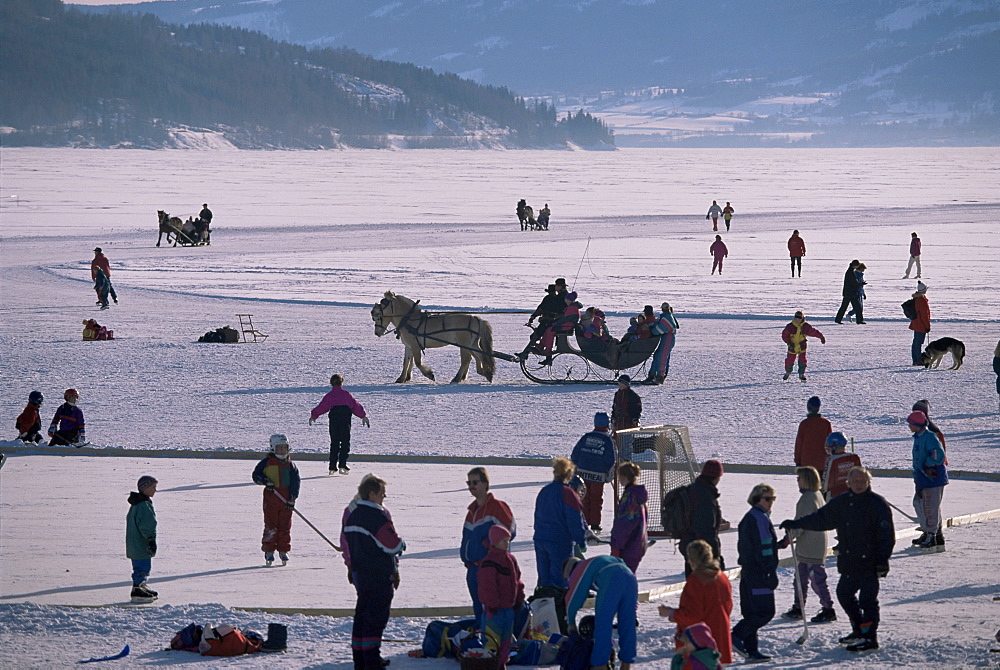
{"points": [[825, 615], [853, 638], [277, 637], [864, 644], [794, 613], [920, 540]]}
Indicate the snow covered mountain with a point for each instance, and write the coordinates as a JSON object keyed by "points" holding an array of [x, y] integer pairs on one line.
{"points": [[855, 71]]}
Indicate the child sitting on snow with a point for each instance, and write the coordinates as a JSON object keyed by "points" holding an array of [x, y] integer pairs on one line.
{"points": [[501, 592], [29, 424], [94, 331], [699, 652]]}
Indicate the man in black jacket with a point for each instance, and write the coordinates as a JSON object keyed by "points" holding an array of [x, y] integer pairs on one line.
{"points": [[866, 538], [706, 516], [850, 294], [549, 309]]}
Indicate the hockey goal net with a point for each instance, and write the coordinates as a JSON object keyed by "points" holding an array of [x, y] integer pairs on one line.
{"points": [[667, 460]]}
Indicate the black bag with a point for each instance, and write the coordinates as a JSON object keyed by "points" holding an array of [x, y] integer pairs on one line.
{"points": [[675, 514], [910, 309]]}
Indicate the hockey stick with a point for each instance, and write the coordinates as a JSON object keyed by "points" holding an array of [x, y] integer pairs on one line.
{"points": [[799, 588], [911, 518], [301, 516]]}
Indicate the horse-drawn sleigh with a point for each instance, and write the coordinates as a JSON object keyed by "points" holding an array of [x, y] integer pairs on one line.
{"points": [[593, 361], [190, 233]]}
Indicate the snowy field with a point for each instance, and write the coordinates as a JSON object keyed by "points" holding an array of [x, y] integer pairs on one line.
{"points": [[307, 242]]}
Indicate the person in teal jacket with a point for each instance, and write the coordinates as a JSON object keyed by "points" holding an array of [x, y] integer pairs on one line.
{"points": [[617, 598], [140, 537], [699, 650]]}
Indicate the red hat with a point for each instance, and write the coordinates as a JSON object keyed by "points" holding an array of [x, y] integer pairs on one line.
{"points": [[498, 533], [917, 418], [712, 468], [700, 636]]}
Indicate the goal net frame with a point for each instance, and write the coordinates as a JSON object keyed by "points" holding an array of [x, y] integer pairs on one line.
{"points": [[667, 460]]}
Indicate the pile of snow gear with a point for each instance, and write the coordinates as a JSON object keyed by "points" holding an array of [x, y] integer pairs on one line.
{"points": [[224, 335], [226, 640]]}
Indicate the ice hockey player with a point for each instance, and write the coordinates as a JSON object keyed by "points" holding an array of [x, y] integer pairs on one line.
{"points": [[140, 537], [67, 427], [29, 424], [281, 481], [795, 335], [341, 405], [594, 457], [838, 465]]}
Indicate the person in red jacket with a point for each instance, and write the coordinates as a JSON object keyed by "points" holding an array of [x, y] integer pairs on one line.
{"points": [[707, 597], [719, 251], [501, 591], [810, 441], [29, 423], [920, 325], [796, 250], [838, 466], [794, 335]]}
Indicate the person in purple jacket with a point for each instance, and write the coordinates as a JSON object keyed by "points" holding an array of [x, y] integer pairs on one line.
{"points": [[341, 405], [628, 535], [68, 426], [914, 256]]}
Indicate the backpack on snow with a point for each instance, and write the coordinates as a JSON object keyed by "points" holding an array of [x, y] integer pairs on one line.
{"points": [[187, 638], [910, 309], [675, 514]]}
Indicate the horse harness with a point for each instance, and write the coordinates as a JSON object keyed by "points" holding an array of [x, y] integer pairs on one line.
{"points": [[421, 325]]}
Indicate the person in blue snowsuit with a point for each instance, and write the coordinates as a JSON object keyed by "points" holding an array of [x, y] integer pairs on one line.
{"points": [[617, 598], [559, 525], [594, 457], [930, 476], [665, 327]]}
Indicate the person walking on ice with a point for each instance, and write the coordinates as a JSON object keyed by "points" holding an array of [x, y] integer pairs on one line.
{"points": [[719, 251], [914, 256], [794, 335], [140, 537], [341, 405], [727, 214], [281, 481], [796, 250], [714, 212]]}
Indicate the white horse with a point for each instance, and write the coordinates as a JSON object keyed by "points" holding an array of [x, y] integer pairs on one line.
{"points": [[419, 330]]}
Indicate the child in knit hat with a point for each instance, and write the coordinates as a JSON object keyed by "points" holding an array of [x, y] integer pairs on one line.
{"points": [[699, 652], [501, 592]]}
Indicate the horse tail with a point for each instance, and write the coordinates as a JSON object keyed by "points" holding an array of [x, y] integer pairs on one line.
{"points": [[486, 344]]}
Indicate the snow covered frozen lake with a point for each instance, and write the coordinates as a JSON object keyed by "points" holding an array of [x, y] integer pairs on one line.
{"points": [[308, 241]]}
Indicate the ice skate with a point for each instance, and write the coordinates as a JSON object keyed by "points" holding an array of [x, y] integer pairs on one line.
{"points": [[148, 590], [788, 373], [794, 613], [141, 594], [853, 638], [802, 376], [268, 559], [284, 558], [865, 644], [344, 470], [920, 540]]}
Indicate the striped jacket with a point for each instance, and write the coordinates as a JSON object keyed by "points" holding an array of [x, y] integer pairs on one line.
{"points": [[372, 540]]}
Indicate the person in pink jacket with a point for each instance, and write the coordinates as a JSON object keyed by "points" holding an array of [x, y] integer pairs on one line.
{"points": [[719, 251], [794, 335], [341, 405], [796, 250]]}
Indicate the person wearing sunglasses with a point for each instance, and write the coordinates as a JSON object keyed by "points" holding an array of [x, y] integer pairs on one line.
{"points": [[484, 512], [758, 555]]}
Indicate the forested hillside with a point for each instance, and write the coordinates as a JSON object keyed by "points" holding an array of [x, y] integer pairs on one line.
{"points": [[75, 78]]}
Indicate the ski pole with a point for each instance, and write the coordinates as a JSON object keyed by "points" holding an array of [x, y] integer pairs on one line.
{"points": [[911, 518], [301, 516], [800, 590]]}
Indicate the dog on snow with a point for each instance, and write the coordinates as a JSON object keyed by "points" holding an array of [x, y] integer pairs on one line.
{"points": [[931, 358]]}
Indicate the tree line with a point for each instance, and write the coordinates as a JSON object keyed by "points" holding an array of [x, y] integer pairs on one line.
{"points": [[72, 77]]}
